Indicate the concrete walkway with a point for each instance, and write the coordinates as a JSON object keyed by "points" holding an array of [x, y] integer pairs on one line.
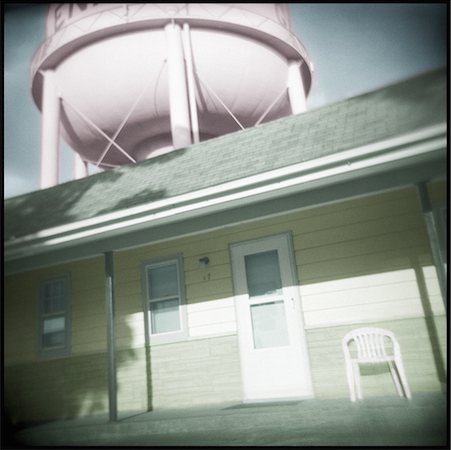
{"points": [[381, 421]]}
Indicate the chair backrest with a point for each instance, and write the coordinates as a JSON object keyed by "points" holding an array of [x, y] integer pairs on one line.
{"points": [[371, 343]]}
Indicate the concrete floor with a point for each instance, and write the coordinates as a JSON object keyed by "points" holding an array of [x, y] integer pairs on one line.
{"points": [[381, 421]]}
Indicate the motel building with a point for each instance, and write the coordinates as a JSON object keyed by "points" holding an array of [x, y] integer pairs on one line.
{"points": [[230, 268]]}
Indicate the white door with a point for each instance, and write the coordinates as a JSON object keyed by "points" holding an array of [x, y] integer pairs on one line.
{"points": [[273, 351]]}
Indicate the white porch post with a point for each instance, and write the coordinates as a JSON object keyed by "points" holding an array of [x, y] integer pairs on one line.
{"points": [[49, 130], [80, 167], [296, 91], [178, 95]]}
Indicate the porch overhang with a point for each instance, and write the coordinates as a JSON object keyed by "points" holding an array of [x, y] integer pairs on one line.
{"points": [[396, 162]]}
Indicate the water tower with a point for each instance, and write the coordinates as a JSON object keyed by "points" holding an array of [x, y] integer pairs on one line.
{"points": [[125, 82]]}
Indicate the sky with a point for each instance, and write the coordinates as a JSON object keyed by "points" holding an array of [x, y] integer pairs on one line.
{"points": [[355, 48]]}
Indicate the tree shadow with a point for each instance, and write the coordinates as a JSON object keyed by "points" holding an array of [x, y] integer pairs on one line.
{"points": [[85, 198], [75, 386]]}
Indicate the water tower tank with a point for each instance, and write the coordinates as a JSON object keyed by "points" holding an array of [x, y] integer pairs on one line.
{"points": [[125, 82]]}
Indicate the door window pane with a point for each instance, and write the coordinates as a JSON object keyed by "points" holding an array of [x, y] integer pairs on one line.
{"points": [[163, 281], [269, 325], [164, 316], [263, 273]]}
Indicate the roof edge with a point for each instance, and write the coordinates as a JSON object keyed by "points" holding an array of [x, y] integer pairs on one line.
{"points": [[220, 197]]}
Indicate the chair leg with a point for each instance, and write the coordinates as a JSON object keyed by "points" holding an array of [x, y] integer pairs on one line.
{"points": [[350, 377], [395, 377], [402, 375], [358, 385]]}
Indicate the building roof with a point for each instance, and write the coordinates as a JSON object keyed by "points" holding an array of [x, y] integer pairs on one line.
{"points": [[391, 111]]}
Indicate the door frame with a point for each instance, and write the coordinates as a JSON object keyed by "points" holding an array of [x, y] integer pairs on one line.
{"points": [[298, 311]]}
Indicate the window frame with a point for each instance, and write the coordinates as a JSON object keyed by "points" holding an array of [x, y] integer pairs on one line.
{"points": [[54, 352], [169, 336]]}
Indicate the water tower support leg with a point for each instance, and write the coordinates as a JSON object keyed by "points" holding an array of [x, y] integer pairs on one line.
{"points": [[191, 83], [296, 91], [178, 95], [49, 131], [80, 167]]}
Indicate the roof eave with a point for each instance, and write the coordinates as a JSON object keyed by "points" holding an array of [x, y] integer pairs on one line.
{"points": [[380, 156]]}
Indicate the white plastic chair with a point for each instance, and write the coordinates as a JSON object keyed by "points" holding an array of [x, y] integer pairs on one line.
{"points": [[371, 348]]}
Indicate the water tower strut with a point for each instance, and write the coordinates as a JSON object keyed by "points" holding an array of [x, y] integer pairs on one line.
{"points": [[271, 106], [190, 82], [124, 121], [90, 122], [220, 101]]}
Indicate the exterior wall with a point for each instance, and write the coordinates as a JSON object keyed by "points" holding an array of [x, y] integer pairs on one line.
{"points": [[328, 368], [367, 263], [364, 261], [56, 388], [39, 388], [202, 371]]}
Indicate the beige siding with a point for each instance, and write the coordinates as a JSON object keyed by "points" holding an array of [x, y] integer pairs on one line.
{"points": [[366, 262], [204, 371], [133, 377], [362, 261], [438, 192], [20, 319], [327, 362], [58, 388], [87, 310]]}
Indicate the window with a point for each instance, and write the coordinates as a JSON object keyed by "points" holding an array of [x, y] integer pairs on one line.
{"points": [[269, 323], [54, 317], [164, 300]]}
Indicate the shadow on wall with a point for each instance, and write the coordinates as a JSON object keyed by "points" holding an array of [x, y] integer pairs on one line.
{"points": [[366, 272], [384, 290], [78, 385], [74, 385]]}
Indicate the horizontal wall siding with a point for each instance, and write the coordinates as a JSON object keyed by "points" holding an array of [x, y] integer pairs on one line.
{"points": [[328, 368], [361, 261], [209, 292], [86, 310], [438, 192], [357, 261], [365, 263], [58, 388], [385, 296], [20, 319], [197, 372], [133, 377]]}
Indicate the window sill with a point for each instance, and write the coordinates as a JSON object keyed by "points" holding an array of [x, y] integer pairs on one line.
{"points": [[178, 336]]}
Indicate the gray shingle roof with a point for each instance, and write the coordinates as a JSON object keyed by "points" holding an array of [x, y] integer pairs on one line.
{"points": [[387, 112]]}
